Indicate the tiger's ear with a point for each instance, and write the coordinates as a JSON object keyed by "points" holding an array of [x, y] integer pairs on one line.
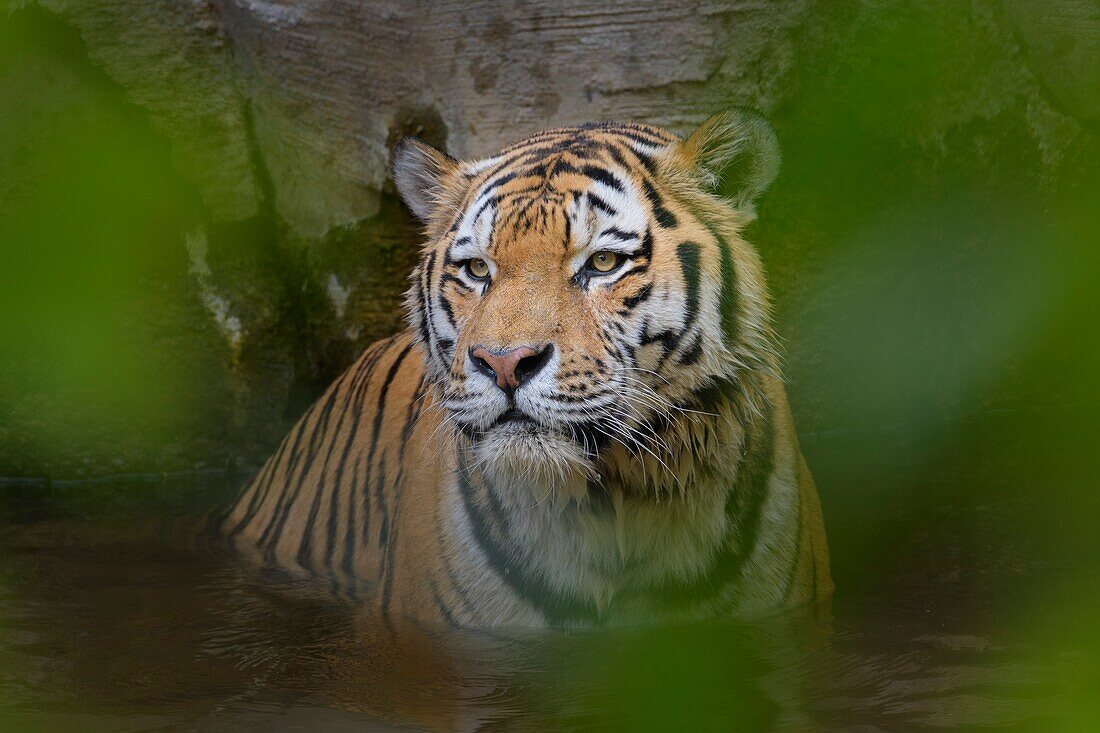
{"points": [[428, 179], [734, 153]]}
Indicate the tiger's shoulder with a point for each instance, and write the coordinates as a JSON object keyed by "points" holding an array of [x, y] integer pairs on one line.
{"points": [[326, 495]]}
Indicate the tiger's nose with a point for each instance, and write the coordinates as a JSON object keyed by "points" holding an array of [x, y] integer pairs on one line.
{"points": [[511, 367]]}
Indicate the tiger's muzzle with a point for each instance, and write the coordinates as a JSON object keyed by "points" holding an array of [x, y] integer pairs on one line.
{"points": [[513, 367]]}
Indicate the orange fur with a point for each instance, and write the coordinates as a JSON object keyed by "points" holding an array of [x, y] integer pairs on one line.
{"points": [[653, 471]]}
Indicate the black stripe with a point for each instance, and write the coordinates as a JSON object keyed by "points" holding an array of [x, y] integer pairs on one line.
{"points": [[602, 205], [448, 313], [491, 201], [647, 245], [813, 568], [711, 397], [515, 154], [422, 324], [443, 610], [377, 427], [744, 507], [616, 156], [299, 432], [416, 403], [261, 481], [688, 254], [492, 185], [265, 479], [379, 485], [350, 534], [457, 586], [792, 572], [305, 543], [560, 167], [640, 297], [634, 272], [646, 160], [517, 160], [620, 234], [631, 355], [539, 142], [537, 146], [447, 277], [460, 242], [534, 188], [728, 304], [630, 130], [664, 217], [354, 405], [426, 302], [669, 340], [354, 493], [357, 497], [645, 138], [556, 608], [692, 354], [753, 489], [602, 175], [354, 380], [320, 427], [574, 398]]}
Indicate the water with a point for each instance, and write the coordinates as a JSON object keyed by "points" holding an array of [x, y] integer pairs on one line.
{"points": [[115, 616]]}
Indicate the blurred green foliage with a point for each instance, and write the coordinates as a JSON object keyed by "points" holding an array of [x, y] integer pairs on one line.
{"points": [[935, 263], [90, 221]]}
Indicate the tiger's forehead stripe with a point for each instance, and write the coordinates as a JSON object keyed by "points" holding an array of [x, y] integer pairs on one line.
{"points": [[596, 131], [544, 156], [582, 140], [551, 153]]}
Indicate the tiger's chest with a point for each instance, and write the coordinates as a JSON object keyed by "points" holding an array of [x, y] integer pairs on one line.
{"points": [[601, 557]]}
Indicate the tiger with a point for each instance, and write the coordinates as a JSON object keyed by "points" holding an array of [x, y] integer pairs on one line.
{"points": [[584, 423]]}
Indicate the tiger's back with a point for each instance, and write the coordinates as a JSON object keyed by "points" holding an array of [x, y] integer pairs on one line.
{"points": [[331, 498]]}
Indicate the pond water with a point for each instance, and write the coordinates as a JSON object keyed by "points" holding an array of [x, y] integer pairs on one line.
{"points": [[115, 616]]}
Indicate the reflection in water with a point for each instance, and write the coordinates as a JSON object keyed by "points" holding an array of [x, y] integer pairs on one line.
{"points": [[104, 628]]}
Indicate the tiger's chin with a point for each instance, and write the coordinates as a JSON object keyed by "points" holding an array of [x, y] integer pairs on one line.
{"points": [[526, 454]]}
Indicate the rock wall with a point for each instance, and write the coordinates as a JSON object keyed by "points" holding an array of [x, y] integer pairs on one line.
{"points": [[200, 233]]}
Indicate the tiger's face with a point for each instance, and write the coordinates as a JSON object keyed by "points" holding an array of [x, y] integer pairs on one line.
{"points": [[580, 289]]}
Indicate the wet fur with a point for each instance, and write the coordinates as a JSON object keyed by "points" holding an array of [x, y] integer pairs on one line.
{"points": [[660, 477]]}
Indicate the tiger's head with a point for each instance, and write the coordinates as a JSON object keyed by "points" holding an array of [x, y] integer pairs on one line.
{"points": [[581, 291]]}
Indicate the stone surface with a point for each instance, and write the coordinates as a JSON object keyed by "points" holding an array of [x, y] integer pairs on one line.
{"points": [[174, 60], [1062, 42]]}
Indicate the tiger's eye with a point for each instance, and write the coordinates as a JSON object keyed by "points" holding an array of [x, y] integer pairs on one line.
{"points": [[604, 261], [478, 268]]}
